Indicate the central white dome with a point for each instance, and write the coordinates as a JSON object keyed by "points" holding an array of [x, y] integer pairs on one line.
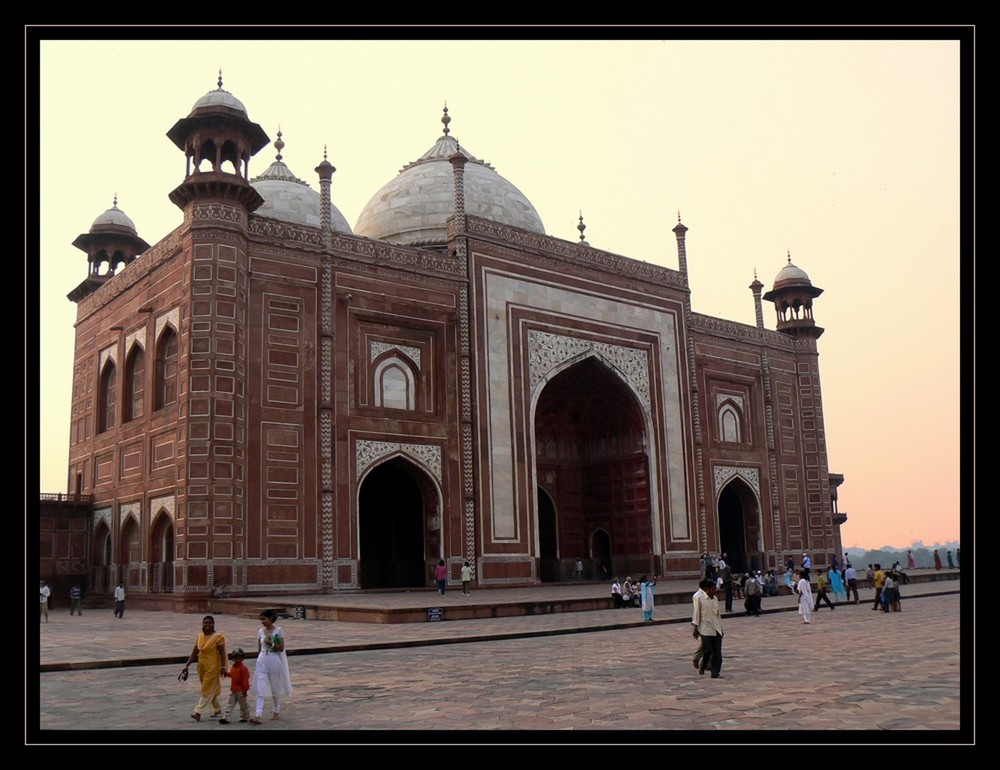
{"points": [[413, 208]]}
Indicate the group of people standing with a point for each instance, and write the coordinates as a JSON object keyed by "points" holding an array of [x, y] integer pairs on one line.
{"points": [[271, 677]]}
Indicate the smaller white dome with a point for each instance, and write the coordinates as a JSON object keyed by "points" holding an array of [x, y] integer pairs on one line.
{"points": [[791, 275], [114, 217], [211, 101]]}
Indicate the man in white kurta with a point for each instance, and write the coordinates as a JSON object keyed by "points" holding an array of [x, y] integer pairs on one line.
{"points": [[804, 590]]}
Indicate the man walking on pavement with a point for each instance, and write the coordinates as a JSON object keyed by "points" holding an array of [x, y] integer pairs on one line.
{"points": [[822, 595], [806, 564], [707, 625], [851, 577], [75, 594], [700, 652], [119, 601]]}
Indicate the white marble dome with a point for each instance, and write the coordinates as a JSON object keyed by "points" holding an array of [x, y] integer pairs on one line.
{"points": [[413, 208], [218, 98], [290, 199], [790, 275], [113, 219]]}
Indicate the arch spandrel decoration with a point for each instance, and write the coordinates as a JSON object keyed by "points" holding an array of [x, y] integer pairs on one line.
{"points": [[103, 514], [139, 337], [547, 351], [172, 317], [721, 397], [129, 509], [723, 474], [106, 354], [165, 503], [367, 453], [378, 348]]}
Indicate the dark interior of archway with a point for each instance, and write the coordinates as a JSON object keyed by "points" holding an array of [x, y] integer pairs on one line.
{"points": [[731, 529], [391, 520], [547, 534], [590, 437]]}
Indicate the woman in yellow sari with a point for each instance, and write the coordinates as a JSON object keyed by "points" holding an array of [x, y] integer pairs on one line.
{"points": [[210, 650]]}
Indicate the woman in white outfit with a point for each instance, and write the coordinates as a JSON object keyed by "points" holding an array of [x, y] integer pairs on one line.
{"points": [[804, 590], [271, 672]]}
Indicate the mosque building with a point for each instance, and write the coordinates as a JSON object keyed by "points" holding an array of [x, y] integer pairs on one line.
{"points": [[269, 399]]}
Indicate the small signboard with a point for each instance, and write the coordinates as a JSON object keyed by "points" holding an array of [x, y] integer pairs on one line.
{"points": [[435, 613], [300, 612]]}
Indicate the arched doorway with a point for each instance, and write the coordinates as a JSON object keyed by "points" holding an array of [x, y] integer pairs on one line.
{"points": [[548, 544], [129, 553], [162, 554], [591, 448], [739, 532], [100, 559], [600, 554], [399, 526]]}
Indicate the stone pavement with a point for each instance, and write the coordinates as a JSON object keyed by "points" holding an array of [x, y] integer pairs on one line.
{"points": [[851, 669]]}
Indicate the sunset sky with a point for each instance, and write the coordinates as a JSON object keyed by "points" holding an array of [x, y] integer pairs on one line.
{"points": [[844, 154]]}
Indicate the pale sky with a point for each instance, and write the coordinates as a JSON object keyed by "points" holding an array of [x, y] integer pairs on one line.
{"points": [[845, 154]]}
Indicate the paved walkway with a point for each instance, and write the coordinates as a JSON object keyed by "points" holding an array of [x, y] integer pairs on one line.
{"points": [[594, 671]]}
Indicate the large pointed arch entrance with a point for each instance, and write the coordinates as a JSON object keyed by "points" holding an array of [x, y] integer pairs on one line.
{"points": [[591, 454], [101, 579], [739, 526], [399, 525]]}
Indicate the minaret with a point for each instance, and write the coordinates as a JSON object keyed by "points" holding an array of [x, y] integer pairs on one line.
{"points": [[755, 287], [113, 240], [793, 295], [217, 132], [326, 171]]}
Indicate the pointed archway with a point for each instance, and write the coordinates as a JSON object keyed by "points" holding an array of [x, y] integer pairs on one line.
{"points": [[162, 554], [591, 451], [129, 553], [398, 525], [548, 538], [739, 531], [100, 559]]}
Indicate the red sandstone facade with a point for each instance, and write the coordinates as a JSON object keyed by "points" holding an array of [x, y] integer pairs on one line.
{"points": [[279, 407]]}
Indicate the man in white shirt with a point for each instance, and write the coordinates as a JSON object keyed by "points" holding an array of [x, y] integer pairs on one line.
{"points": [[696, 660], [119, 601], [707, 625], [851, 577], [806, 564]]}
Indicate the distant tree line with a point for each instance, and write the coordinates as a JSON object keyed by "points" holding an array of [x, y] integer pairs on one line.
{"points": [[923, 556]]}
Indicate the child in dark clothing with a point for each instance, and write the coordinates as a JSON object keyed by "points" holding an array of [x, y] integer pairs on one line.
{"points": [[239, 676]]}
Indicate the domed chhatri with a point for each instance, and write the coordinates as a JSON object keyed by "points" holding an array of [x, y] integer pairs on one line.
{"points": [[793, 295], [114, 220], [218, 101], [290, 199], [413, 208], [111, 242]]}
